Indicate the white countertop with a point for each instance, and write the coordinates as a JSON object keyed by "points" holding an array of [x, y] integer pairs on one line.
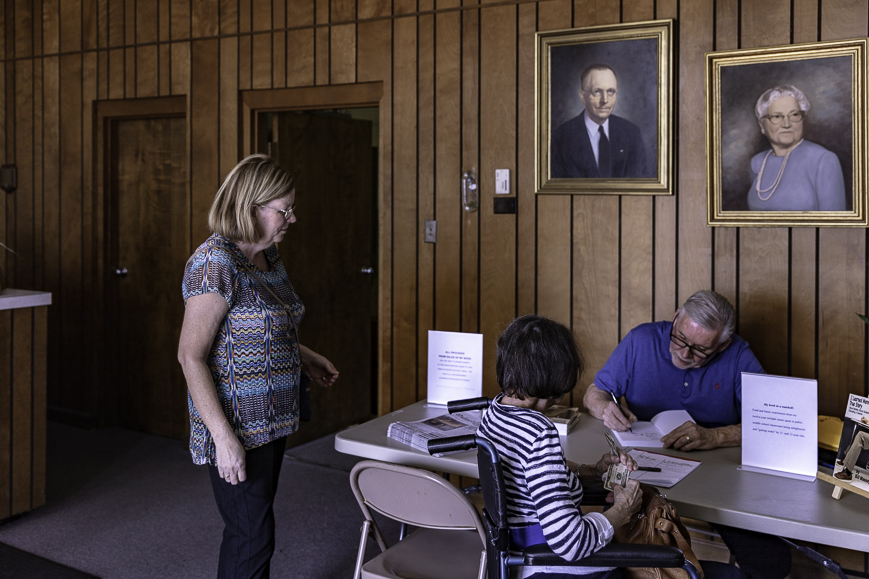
{"points": [[11, 299]]}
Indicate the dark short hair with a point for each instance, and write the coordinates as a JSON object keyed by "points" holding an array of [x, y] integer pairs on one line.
{"points": [[537, 358]]}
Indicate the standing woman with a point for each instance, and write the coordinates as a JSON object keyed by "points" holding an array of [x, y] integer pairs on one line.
{"points": [[242, 359]]}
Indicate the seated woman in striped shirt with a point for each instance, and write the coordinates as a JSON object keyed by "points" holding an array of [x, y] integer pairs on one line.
{"points": [[537, 363]]}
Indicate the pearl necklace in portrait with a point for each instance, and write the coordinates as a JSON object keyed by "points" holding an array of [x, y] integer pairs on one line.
{"points": [[781, 171]]}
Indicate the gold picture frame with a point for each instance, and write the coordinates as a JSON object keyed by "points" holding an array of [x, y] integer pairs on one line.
{"points": [[809, 96], [634, 63]]}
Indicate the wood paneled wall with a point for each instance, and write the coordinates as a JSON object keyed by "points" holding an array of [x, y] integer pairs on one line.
{"points": [[459, 94]]}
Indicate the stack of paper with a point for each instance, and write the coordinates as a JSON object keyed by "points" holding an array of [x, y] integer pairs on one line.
{"points": [[418, 433]]}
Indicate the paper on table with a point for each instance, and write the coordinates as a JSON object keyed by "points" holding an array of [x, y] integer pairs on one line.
{"points": [[780, 425], [455, 366], [673, 469]]}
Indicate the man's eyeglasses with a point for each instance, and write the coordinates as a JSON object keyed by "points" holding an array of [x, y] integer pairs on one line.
{"points": [[696, 352], [777, 119], [287, 213]]}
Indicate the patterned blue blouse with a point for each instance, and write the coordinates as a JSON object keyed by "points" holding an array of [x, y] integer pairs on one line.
{"points": [[254, 361]]}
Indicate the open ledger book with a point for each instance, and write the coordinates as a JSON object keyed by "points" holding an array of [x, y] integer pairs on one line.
{"points": [[648, 434]]}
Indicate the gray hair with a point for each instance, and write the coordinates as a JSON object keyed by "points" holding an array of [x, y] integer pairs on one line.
{"points": [[773, 94], [712, 311]]}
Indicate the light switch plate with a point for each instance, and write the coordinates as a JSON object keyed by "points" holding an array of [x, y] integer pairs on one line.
{"points": [[502, 181], [431, 231]]}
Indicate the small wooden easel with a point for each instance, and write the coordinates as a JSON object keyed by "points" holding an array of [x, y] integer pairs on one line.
{"points": [[841, 486]]}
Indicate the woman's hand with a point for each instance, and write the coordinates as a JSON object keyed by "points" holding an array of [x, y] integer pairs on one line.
{"points": [[628, 500], [606, 460], [230, 460], [320, 369], [202, 318]]}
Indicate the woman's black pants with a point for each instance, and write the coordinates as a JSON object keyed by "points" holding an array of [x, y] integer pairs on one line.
{"points": [[248, 516]]}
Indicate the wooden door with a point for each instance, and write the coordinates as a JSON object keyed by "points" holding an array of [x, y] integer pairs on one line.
{"points": [[333, 163], [149, 245]]}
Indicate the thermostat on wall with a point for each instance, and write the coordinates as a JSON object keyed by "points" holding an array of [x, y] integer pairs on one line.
{"points": [[502, 181]]}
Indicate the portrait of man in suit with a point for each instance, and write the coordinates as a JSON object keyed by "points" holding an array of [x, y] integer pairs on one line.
{"points": [[604, 110], [597, 143]]}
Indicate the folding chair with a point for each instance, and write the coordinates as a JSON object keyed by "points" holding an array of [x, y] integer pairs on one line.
{"points": [[500, 554], [449, 541]]}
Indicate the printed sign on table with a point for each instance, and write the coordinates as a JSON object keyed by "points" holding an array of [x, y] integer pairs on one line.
{"points": [[455, 366]]}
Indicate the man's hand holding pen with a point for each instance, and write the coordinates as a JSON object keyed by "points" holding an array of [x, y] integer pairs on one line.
{"points": [[617, 417]]}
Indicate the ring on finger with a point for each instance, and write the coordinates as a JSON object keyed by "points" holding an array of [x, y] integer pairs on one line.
{"points": [[688, 438]]}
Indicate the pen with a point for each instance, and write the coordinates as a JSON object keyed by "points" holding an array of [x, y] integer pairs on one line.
{"points": [[649, 468], [616, 400]]}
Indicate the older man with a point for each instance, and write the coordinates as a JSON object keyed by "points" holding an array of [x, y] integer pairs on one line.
{"points": [[597, 143], [694, 363]]}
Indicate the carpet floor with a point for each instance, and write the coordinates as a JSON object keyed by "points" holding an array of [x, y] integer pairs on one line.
{"points": [[122, 504]]}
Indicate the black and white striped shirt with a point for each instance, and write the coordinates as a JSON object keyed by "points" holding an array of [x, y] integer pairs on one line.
{"points": [[540, 487]]}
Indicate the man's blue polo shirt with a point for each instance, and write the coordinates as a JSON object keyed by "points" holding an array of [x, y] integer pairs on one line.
{"points": [[642, 370]]}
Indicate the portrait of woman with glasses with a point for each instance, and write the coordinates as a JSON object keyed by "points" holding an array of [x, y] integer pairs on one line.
{"points": [[794, 174], [242, 358]]}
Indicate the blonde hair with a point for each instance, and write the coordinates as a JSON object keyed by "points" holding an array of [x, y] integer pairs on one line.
{"points": [[256, 180]]}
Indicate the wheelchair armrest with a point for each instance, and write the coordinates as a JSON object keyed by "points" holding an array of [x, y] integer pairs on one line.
{"points": [[452, 443], [467, 404], [612, 555]]}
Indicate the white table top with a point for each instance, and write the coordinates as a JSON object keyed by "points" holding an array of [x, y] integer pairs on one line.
{"points": [[716, 491], [11, 299]]}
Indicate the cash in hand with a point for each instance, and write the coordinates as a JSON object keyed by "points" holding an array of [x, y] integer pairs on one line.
{"points": [[616, 474]]}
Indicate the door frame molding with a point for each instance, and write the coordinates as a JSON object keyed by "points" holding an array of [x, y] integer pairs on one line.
{"points": [[344, 96], [105, 232]]}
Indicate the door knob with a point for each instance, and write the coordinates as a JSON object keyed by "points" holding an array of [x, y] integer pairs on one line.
{"points": [[121, 272]]}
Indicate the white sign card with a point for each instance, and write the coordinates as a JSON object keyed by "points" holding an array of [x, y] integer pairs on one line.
{"points": [[780, 425], [455, 366]]}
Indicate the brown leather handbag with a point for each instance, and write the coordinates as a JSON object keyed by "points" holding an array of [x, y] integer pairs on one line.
{"points": [[657, 523]]}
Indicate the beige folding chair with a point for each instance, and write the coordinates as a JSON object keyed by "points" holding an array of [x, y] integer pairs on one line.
{"points": [[449, 541]]}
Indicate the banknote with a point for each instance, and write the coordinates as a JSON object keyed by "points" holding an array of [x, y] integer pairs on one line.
{"points": [[616, 474]]}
